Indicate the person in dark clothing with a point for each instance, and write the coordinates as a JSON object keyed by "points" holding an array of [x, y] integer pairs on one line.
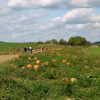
{"points": [[25, 49]]}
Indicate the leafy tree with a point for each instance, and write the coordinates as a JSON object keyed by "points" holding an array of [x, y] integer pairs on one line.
{"points": [[77, 40], [54, 41], [48, 42], [40, 42], [62, 42]]}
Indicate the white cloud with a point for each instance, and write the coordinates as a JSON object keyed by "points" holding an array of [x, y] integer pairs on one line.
{"points": [[75, 26], [76, 16], [16, 35], [68, 3], [95, 3], [45, 2], [54, 3], [15, 3], [96, 18], [80, 17]]}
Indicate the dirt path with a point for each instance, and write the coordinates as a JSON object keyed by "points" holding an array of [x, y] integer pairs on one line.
{"points": [[4, 58]]}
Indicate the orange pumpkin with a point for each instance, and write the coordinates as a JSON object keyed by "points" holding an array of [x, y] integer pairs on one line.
{"points": [[36, 67], [38, 62], [73, 80], [29, 66], [46, 63], [63, 61], [68, 98]]}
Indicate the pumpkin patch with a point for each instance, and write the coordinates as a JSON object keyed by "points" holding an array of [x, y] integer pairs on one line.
{"points": [[56, 74]]}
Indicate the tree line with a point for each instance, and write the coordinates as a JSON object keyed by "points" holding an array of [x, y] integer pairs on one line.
{"points": [[73, 41]]}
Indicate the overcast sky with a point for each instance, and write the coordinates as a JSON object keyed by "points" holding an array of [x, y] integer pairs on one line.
{"points": [[40, 20]]}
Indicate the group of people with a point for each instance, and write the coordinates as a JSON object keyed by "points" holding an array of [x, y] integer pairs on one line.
{"points": [[31, 50]]}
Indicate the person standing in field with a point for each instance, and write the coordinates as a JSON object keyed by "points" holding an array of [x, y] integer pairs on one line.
{"points": [[41, 49], [31, 49], [25, 49]]}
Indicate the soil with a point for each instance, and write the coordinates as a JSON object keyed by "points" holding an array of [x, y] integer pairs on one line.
{"points": [[4, 58]]}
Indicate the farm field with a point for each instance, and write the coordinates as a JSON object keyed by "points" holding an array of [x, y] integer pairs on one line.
{"points": [[60, 73], [12, 48]]}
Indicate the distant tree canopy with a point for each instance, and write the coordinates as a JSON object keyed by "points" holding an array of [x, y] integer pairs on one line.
{"points": [[48, 42], [62, 42], [77, 40], [40, 42], [73, 41], [54, 41]]}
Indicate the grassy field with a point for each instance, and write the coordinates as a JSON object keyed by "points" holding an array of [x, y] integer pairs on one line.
{"points": [[11, 48], [16, 48], [68, 73]]}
